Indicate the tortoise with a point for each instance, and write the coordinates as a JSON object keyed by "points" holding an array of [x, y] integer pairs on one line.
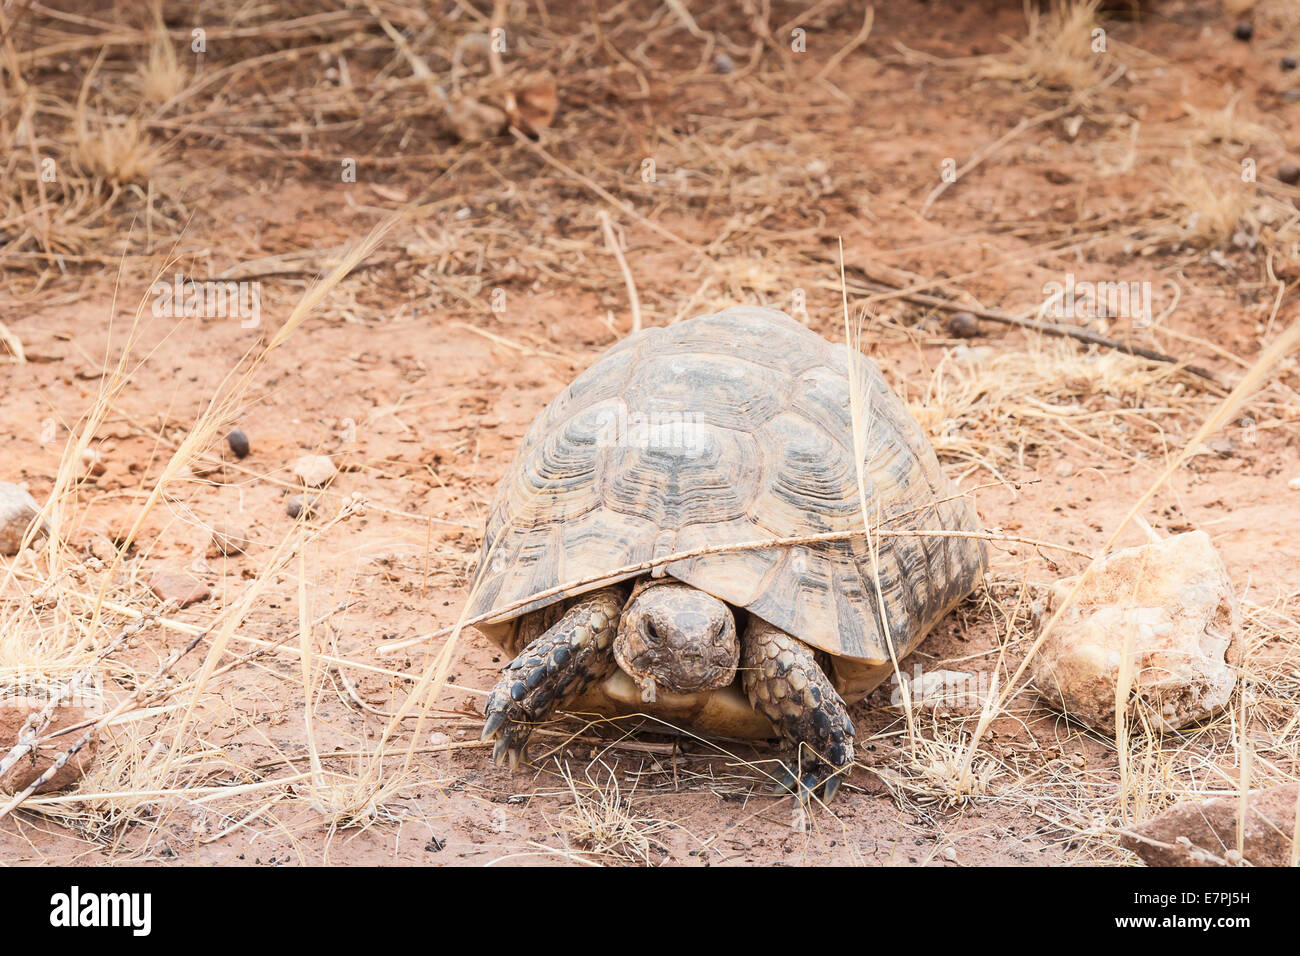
{"points": [[674, 455]]}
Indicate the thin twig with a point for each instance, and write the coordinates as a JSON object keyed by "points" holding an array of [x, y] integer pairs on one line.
{"points": [[860, 38], [1047, 328], [611, 240]]}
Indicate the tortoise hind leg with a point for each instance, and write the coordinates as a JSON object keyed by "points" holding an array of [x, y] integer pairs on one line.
{"points": [[558, 666], [784, 683]]}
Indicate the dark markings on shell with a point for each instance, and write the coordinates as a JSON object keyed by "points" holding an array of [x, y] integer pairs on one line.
{"points": [[728, 428]]}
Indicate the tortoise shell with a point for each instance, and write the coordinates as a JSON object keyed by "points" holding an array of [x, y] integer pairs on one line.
{"points": [[723, 429]]}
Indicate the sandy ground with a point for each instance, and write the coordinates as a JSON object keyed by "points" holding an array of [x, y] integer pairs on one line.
{"points": [[419, 390]]}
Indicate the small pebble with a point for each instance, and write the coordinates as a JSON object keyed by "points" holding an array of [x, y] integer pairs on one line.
{"points": [[962, 325], [17, 509], [92, 462], [439, 739], [179, 589], [1289, 173], [1244, 31], [723, 63], [1064, 469], [1288, 64], [301, 505], [228, 541], [314, 471], [238, 443], [950, 854], [1294, 483]]}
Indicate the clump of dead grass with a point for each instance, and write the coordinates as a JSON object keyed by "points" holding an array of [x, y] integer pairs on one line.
{"points": [[1057, 53], [1208, 209], [991, 407], [1227, 127], [118, 150], [604, 822], [161, 77]]}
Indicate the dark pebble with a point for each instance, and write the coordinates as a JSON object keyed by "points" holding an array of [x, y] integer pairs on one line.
{"points": [[299, 504], [1288, 64], [962, 325], [1244, 31], [238, 443], [1289, 173]]}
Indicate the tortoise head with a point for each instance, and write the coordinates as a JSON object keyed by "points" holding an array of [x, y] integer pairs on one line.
{"points": [[674, 636]]}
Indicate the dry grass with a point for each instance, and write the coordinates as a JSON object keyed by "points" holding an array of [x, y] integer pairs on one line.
{"points": [[525, 216], [605, 823], [1228, 128], [1058, 52], [161, 77], [119, 152], [1210, 210], [991, 408], [63, 630]]}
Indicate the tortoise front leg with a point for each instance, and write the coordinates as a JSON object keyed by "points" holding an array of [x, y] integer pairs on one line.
{"points": [[556, 667], [784, 683]]}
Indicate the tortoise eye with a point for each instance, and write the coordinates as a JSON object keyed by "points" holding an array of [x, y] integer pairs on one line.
{"points": [[652, 632]]}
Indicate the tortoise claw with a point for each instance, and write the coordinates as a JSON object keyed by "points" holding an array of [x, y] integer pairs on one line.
{"points": [[495, 721], [823, 778], [787, 780], [504, 752], [831, 787], [808, 787]]}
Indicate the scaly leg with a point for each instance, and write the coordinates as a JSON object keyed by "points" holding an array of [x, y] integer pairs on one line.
{"points": [[556, 667], [783, 682]]}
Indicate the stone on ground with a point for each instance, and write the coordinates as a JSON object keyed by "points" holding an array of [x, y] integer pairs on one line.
{"points": [[179, 589], [314, 471], [228, 541], [17, 509], [1168, 611], [1204, 832], [14, 712]]}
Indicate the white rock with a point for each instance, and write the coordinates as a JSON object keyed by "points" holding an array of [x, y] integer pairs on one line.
{"points": [[1294, 483], [314, 471], [1170, 605], [17, 509]]}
